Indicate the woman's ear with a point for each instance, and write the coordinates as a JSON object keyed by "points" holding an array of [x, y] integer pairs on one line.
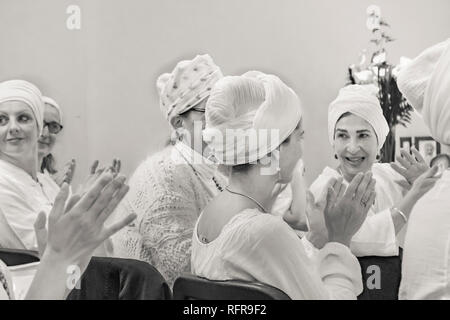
{"points": [[177, 122]]}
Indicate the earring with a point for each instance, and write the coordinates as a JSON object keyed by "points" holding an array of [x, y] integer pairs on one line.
{"points": [[378, 157], [335, 156]]}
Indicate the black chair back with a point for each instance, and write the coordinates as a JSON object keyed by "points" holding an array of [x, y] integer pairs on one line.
{"points": [[14, 257], [190, 287]]}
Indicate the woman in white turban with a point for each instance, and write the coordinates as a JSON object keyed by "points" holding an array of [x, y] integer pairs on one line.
{"points": [[24, 191], [53, 124], [425, 83], [357, 130], [254, 127], [170, 188]]}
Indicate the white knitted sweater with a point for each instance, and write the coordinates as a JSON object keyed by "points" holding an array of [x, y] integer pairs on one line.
{"points": [[167, 195]]}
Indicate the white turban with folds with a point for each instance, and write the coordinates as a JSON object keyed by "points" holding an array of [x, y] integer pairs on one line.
{"points": [[425, 83], [362, 101], [54, 104], [249, 116], [189, 84], [24, 91]]}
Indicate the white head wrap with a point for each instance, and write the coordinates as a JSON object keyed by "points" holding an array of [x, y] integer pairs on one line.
{"points": [[50, 101], [425, 83], [362, 102], [249, 116], [21, 90], [189, 83]]}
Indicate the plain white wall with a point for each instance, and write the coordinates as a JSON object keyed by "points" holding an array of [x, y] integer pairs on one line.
{"points": [[103, 75]]}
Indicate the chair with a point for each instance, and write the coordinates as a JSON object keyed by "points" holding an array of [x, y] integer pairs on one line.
{"points": [[120, 279], [190, 287], [390, 277], [14, 257]]}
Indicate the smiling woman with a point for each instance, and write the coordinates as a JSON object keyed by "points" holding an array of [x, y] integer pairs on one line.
{"points": [[357, 131], [24, 191]]}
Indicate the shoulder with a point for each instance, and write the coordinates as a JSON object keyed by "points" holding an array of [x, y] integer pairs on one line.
{"points": [[162, 168], [260, 226]]}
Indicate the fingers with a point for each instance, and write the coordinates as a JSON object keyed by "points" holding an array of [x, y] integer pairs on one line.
{"points": [[405, 163], [116, 199], [431, 172], [105, 197], [418, 156], [399, 169], [117, 166], [407, 156], [331, 200], [72, 202], [94, 167], [94, 192], [363, 186], [41, 232], [40, 221], [310, 197], [351, 190], [118, 225], [60, 202], [404, 184], [342, 188], [370, 188]]}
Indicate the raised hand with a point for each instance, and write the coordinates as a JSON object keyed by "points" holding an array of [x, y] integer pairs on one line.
{"points": [[74, 232], [412, 166], [425, 182], [66, 174], [346, 210]]}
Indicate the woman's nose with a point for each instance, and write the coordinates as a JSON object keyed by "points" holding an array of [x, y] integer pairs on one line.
{"points": [[353, 146], [14, 127], [45, 132]]}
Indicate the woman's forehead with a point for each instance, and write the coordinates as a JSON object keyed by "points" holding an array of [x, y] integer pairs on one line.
{"points": [[353, 123], [14, 107], [50, 112]]}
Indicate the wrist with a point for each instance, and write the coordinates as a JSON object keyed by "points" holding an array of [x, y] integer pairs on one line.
{"points": [[340, 239]]}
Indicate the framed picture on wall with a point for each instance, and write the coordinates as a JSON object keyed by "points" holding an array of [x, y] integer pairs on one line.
{"points": [[406, 143], [427, 147]]}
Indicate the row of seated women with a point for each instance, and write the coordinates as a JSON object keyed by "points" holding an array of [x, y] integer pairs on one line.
{"points": [[227, 199]]}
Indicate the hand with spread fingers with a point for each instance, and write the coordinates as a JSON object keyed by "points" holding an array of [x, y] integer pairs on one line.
{"points": [[425, 182], [95, 171], [412, 166], [74, 231], [66, 174], [347, 208]]}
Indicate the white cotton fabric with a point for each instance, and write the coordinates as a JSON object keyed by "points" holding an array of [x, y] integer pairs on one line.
{"points": [[259, 247], [54, 104], [414, 77], [249, 116], [24, 91], [361, 101], [187, 85], [376, 237], [21, 200], [436, 106], [426, 254], [167, 196]]}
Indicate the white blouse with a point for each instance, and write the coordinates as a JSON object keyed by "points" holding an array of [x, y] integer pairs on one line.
{"points": [[376, 237], [426, 255], [21, 199], [259, 247]]}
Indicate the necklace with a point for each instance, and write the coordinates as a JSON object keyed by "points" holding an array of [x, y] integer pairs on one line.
{"points": [[248, 197]]}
